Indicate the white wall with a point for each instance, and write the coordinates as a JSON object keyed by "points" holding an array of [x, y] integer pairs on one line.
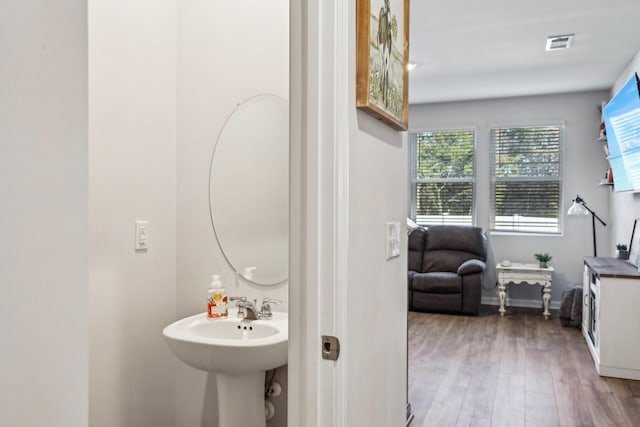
{"points": [[625, 206], [584, 165], [377, 292], [43, 225], [377, 288], [227, 53], [132, 176]]}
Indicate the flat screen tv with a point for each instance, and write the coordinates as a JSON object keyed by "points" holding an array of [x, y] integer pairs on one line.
{"points": [[622, 124]]}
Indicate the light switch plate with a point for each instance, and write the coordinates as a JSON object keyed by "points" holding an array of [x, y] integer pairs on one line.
{"points": [[393, 239]]}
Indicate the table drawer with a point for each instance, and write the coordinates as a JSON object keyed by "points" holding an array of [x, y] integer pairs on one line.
{"points": [[523, 277]]}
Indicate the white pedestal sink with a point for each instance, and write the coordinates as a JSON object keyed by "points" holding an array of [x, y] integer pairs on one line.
{"points": [[238, 352]]}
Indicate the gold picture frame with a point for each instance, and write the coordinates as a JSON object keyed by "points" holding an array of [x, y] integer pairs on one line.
{"points": [[382, 78]]}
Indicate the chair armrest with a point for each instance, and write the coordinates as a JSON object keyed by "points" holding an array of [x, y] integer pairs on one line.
{"points": [[410, 275], [471, 266]]}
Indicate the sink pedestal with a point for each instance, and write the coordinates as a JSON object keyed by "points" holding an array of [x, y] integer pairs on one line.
{"points": [[241, 399], [239, 352]]}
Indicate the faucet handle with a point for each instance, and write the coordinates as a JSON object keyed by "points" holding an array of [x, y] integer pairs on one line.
{"points": [[265, 309]]}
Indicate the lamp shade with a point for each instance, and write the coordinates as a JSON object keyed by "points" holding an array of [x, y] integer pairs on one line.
{"points": [[577, 209]]}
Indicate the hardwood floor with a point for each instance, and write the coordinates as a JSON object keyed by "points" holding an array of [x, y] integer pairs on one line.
{"points": [[519, 370]]}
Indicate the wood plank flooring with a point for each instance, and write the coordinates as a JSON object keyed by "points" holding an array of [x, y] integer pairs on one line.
{"points": [[519, 370]]}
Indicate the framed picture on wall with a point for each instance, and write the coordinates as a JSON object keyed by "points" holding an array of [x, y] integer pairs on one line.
{"points": [[382, 77], [634, 244]]}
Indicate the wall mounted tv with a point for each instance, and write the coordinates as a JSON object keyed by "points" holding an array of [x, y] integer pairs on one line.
{"points": [[622, 123]]}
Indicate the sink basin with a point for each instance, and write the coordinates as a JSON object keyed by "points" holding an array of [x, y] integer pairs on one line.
{"points": [[230, 345], [239, 352]]}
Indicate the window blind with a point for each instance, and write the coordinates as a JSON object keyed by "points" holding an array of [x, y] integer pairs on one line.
{"points": [[442, 177], [526, 179]]}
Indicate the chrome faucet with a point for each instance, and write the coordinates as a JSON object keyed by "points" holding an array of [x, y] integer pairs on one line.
{"points": [[248, 310]]}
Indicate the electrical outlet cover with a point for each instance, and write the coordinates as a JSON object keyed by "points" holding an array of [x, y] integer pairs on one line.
{"points": [[142, 235]]}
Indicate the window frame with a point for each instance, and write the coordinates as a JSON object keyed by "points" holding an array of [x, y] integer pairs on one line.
{"points": [[413, 173], [560, 179]]}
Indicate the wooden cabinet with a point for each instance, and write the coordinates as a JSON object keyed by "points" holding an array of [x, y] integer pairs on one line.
{"points": [[611, 316]]}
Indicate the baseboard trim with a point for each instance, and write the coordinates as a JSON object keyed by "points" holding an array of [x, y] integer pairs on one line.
{"points": [[528, 303]]}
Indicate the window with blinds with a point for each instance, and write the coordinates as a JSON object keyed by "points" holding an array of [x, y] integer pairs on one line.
{"points": [[526, 179], [442, 177]]}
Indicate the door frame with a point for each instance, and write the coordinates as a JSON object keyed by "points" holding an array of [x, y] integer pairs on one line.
{"points": [[319, 209]]}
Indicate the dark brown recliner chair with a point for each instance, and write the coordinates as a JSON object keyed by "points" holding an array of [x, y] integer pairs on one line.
{"points": [[446, 263]]}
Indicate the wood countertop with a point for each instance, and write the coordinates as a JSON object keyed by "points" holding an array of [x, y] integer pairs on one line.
{"points": [[612, 267]]}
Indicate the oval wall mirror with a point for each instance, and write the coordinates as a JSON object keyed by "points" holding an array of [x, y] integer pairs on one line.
{"points": [[249, 190]]}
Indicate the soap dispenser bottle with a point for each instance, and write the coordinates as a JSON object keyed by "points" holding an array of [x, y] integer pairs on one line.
{"points": [[217, 299]]}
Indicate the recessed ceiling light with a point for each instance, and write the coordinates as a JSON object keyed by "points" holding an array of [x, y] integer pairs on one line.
{"points": [[411, 66], [559, 42]]}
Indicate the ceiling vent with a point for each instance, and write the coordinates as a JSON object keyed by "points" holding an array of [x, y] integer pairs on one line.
{"points": [[559, 42]]}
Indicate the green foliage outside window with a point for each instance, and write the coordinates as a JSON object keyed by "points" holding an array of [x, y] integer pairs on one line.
{"points": [[526, 184], [444, 174], [525, 168]]}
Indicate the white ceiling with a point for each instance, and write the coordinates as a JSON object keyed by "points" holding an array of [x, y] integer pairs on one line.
{"points": [[477, 49]]}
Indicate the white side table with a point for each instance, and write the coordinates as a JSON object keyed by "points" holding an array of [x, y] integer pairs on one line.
{"points": [[531, 274]]}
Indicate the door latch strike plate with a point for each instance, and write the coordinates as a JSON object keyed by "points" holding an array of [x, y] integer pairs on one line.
{"points": [[330, 347]]}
